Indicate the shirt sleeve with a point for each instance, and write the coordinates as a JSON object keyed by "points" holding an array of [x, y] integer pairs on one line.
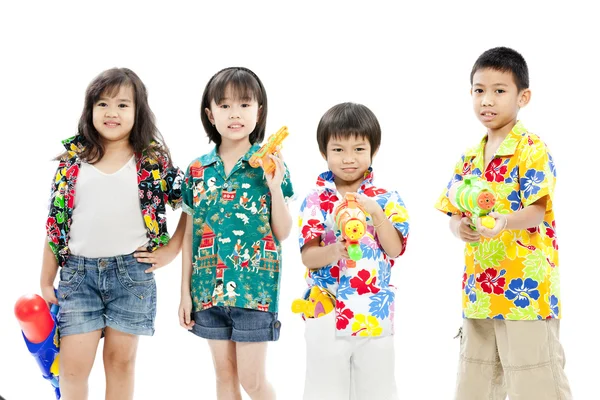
{"points": [[286, 186], [187, 191], [311, 219], [537, 173], [56, 221], [443, 203], [396, 213]]}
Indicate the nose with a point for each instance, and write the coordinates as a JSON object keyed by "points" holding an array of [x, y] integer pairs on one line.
{"points": [[348, 160], [487, 99], [234, 113], [111, 112]]}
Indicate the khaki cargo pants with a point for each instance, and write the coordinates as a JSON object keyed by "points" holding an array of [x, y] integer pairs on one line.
{"points": [[523, 359]]}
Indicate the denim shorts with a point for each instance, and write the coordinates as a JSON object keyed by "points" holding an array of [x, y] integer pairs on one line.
{"points": [[236, 324], [94, 293]]}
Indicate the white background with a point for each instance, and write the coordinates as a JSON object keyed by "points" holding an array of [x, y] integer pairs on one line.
{"points": [[409, 63]]}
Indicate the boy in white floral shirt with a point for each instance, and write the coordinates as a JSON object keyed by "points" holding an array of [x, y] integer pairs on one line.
{"points": [[355, 340]]}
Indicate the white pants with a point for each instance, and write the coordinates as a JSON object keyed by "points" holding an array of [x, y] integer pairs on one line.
{"points": [[344, 368]]}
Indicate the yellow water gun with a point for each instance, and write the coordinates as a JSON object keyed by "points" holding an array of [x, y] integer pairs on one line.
{"points": [[267, 149], [319, 302]]}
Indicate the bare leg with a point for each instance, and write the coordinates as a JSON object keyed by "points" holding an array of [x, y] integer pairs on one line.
{"points": [[224, 360], [119, 364], [251, 359], [77, 353]]}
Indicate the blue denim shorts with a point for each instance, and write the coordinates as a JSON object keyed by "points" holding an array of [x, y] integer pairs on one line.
{"points": [[236, 324], [94, 293]]}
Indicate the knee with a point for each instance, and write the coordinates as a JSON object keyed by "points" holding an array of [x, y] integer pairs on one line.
{"points": [[226, 373], [252, 381], [120, 361]]}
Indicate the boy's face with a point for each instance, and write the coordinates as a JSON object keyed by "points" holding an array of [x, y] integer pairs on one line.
{"points": [[496, 99], [348, 158]]}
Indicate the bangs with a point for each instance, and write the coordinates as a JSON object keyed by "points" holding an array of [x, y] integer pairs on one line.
{"points": [[348, 134], [243, 86], [109, 86]]}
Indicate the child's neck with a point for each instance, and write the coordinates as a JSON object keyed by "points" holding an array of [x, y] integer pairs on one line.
{"points": [[344, 187], [116, 155], [231, 151], [496, 136]]}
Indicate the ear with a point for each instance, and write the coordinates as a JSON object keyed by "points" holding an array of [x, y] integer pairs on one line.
{"points": [[524, 98], [210, 116]]}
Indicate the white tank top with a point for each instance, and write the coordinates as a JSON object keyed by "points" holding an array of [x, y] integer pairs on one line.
{"points": [[107, 219]]}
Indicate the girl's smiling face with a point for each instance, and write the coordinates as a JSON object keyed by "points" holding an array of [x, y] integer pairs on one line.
{"points": [[113, 114]]}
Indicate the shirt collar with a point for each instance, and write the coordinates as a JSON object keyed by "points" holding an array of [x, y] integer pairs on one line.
{"points": [[213, 156], [327, 180], [508, 145]]}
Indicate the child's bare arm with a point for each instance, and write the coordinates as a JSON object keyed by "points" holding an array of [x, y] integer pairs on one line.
{"points": [[281, 219], [315, 256], [185, 306], [389, 237], [528, 217], [49, 269]]}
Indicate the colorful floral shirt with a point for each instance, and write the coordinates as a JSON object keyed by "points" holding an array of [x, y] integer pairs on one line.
{"points": [[236, 257], [515, 275], [158, 184], [364, 296]]}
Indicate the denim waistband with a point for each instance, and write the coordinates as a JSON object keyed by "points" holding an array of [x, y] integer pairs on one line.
{"points": [[100, 262]]}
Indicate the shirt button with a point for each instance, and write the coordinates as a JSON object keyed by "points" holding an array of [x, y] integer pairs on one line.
{"points": [[277, 324]]}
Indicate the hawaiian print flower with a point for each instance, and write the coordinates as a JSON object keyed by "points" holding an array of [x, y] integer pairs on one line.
{"points": [[364, 282], [551, 233], [52, 230], [490, 281], [311, 201], [554, 306], [522, 291], [470, 288], [327, 200], [515, 200], [312, 229], [499, 316], [343, 315], [322, 277], [552, 165], [513, 176], [531, 181], [496, 170], [373, 191], [366, 326], [466, 170]]}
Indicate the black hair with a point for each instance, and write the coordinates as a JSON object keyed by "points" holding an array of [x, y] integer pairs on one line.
{"points": [[504, 59], [349, 120]]}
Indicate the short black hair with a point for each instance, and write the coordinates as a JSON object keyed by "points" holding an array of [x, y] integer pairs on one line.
{"points": [[246, 86], [349, 120], [504, 59]]}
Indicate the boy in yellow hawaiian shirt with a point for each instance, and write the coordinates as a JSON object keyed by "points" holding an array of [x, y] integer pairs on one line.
{"points": [[511, 308]]}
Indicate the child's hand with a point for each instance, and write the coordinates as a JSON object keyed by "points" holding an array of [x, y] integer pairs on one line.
{"points": [[499, 226], [48, 294], [369, 204], [158, 258], [185, 312], [274, 181], [339, 250], [466, 233]]}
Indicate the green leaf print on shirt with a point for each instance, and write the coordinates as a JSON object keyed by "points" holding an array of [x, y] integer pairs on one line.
{"points": [[489, 254], [480, 309], [523, 314], [502, 190], [535, 266], [555, 282]]}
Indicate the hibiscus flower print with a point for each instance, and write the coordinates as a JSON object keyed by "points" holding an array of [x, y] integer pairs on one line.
{"points": [[327, 199], [552, 165], [466, 170], [554, 306], [366, 326], [312, 229], [492, 282], [515, 200], [530, 183], [520, 292], [470, 288], [513, 176], [551, 233], [496, 170], [373, 191], [364, 282], [343, 315]]}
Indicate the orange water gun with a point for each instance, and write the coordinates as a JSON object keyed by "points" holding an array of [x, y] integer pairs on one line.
{"points": [[351, 219], [267, 149]]}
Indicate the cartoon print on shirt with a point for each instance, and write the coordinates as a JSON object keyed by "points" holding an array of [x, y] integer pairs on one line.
{"points": [[212, 190], [231, 294]]}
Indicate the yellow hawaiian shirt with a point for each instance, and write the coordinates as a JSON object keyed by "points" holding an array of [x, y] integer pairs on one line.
{"points": [[515, 275]]}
